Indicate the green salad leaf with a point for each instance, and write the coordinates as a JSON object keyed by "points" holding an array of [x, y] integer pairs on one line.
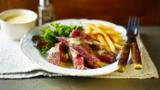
{"points": [[50, 33]]}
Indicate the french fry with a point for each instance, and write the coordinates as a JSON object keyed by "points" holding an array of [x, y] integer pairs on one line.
{"points": [[103, 27], [94, 32], [109, 30], [87, 30], [115, 38], [102, 40], [106, 35], [113, 32], [117, 46], [93, 36], [121, 42], [100, 63], [108, 40]]}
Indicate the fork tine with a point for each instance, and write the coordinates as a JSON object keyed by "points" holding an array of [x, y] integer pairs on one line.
{"points": [[133, 25], [138, 22], [137, 26], [129, 26], [133, 22], [129, 23], [135, 30]]}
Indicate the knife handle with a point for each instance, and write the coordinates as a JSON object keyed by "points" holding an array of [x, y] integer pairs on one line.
{"points": [[124, 57], [136, 58]]}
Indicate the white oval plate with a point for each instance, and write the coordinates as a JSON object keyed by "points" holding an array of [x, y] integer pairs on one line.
{"points": [[33, 54]]}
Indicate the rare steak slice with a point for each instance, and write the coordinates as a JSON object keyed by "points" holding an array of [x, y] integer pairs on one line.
{"points": [[103, 54], [85, 51], [57, 54], [77, 59], [75, 33], [106, 56], [80, 34]]}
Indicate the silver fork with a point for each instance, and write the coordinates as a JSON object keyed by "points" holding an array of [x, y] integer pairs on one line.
{"points": [[132, 31]]}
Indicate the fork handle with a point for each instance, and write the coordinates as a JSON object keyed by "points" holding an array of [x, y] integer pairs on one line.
{"points": [[136, 59], [124, 56]]}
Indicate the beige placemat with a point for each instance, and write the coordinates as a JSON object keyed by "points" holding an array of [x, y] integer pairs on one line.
{"points": [[13, 64]]}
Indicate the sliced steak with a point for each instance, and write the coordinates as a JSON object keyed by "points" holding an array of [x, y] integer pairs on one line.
{"points": [[57, 54], [102, 54], [75, 33], [80, 34], [84, 50], [88, 55], [106, 56], [78, 60]]}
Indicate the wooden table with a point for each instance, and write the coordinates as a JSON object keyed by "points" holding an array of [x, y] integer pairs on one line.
{"points": [[151, 38]]}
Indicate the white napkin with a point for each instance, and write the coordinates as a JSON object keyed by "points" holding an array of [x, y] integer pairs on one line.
{"points": [[13, 64]]}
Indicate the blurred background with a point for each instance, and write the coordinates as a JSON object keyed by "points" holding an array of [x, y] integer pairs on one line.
{"points": [[116, 11]]}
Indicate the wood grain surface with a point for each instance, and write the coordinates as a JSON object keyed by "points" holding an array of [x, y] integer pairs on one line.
{"points": [[116, 11]]}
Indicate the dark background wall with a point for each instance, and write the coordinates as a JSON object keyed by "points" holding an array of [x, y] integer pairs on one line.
{"points": [[116, 11]]}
